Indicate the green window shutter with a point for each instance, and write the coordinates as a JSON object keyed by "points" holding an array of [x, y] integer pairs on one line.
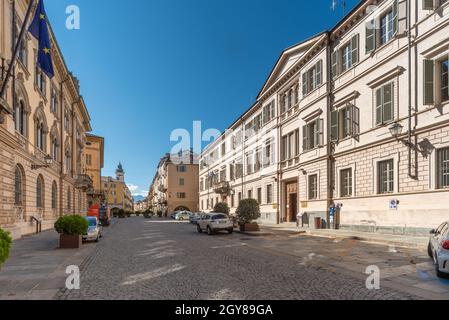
{"points": [[388, 102], [355, 121], [334, 64], [304, 84], [317, 133], [370, 36], [319, 73], [355, 49], [402, 16], [379, 95], [305, 139], [429, 71], [395, 17], [427, 4], [334, 126]]}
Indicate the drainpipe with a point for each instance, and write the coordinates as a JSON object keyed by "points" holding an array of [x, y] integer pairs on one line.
{"points": [[329, 86], [278, 165], [409, 45]]}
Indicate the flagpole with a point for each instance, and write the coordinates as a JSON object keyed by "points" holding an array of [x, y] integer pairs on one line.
{"points": [[16, 51]]}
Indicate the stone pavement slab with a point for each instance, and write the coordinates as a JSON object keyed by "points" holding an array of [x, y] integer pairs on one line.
{"points": [[36, 267]]}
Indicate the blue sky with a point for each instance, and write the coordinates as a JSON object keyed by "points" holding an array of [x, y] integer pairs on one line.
{"points": [[148, 67]]}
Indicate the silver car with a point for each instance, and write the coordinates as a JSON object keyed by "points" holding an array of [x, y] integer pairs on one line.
{"points": [[439, 249], [93, 231], [213, 222]]}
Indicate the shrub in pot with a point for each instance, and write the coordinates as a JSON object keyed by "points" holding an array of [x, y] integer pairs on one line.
{"points": [[222, 207], [121, 214], [5, 246], [71, 230], [248, 211]]}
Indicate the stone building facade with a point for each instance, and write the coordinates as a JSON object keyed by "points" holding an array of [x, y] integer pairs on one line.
{"points": [[94, 164], [355, 119], [117, 194], [41, 118]]}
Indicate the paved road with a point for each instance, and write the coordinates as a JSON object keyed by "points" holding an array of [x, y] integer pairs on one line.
{"points": [[166, 260]]}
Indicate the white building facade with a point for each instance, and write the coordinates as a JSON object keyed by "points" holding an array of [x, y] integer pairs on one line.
{"points": [[356, 119]]}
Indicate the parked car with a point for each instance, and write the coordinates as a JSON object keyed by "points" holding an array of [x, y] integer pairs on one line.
{"points": [[93, 231], [214, 222], [174, 214], [183, 215], [195, 217], [439, 249]]}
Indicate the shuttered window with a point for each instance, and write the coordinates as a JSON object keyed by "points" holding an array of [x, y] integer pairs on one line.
{"points": [[312, 78], [428, 4], [345, 123], [385, 104], [385, 177], [370, 31], [443, 168], [313, 134], [444, 80], [313, 187], [346, 183], [429, 82]]}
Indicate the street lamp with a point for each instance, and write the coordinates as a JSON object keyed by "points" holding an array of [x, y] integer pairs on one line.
{"points": [[48, 161], [396, 129]]}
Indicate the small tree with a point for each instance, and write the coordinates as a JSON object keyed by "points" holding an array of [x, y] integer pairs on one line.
{"points": [[5, 246], [248, 211], [72, 225], [222, 207]]}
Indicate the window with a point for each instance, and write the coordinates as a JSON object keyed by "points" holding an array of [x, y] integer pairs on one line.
{"points": [[313, 135], [232, 201], [39, 192], [23, 51], [202, 185], [312, 78], [249, 163], [381, 30], [269, 193], [432, 4], [346, 57], [20, 118], [385, 104], [223, 149], [223, 175], [345, 123], [443, 168], [259, 195], [181, 168], [444, 80], [40, 134], [54, 195], [346, 183], [18, 188], [313, 187], [41, 80], [181, 182], [54, 101], [250, 194], [269, 153], [237, 140], [269, 112], [385, 177], [68, 161], [181, 195], [258, 160], [240, 197], [67, 120], [54, 148], [253, 127], [88, 159], [386, 27]]}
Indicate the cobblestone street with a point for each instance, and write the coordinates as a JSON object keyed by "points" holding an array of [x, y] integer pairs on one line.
{"points": [[167, 260]]}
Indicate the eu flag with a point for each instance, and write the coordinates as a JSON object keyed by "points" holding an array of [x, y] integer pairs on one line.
{"points": [[39, 29]]}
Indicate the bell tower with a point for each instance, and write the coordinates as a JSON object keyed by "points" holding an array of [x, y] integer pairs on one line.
{"points": [[119, 173]]}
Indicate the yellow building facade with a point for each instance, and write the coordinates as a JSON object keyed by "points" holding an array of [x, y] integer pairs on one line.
{"points": [[94, 164], [40, 119], [117, 193]]}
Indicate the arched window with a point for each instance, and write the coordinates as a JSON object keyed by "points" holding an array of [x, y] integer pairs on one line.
{"points": [[69, 200], [54, 196], [54, 101], [18, 187], [40, 135], [40, 192]]}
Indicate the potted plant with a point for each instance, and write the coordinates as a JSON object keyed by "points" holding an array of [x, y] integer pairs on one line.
{"points": [[71, 230], [248, 211], [5, 246], [222, 207], [121, 214]]}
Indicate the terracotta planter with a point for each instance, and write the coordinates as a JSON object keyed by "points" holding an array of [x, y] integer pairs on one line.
{"points": [[249, 227], [70, 242]]}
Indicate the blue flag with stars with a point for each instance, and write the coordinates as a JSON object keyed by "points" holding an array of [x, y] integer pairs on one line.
{"points": [[39, 29]]}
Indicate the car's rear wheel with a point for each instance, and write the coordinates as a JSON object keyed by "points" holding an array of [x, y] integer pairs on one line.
{"points": [[429, 250], [199, 229], [209, 231]]}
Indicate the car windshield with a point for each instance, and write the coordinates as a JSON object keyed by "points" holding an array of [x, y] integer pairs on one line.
{"points": [[92, 222], [219, 217]]}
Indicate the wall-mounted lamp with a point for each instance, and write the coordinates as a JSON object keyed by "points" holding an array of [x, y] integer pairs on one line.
{"points": [[303, 171], [396, 131], [48, 161]]}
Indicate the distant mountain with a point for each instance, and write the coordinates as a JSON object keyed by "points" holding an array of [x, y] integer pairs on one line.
{"points": [[138, 198]]}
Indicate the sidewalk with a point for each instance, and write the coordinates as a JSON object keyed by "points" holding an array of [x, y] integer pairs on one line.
{"points": [[414, 242], [36, 267]]}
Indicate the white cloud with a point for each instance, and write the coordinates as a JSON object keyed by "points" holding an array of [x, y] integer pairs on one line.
{"points": [[136, 191]]}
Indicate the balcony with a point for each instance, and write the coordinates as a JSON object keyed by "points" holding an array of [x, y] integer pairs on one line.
{"points": [[222, 188], [83, 182], [162, 188]]}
